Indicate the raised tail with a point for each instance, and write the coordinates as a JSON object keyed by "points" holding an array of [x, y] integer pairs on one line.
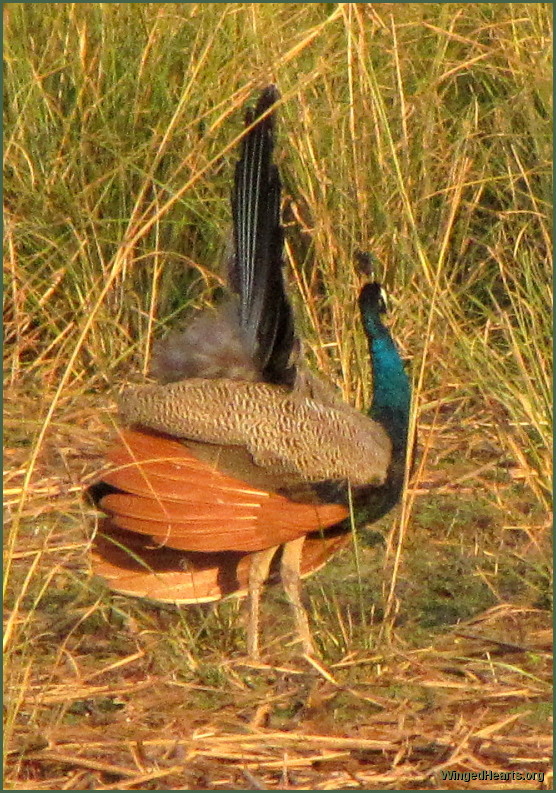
{"points": [[252, 337], [256, 270]]}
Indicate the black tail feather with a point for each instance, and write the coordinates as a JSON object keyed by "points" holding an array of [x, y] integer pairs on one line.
{"points": [[256, 272]]}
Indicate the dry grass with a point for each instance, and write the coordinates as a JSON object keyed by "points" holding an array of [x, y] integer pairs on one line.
{"points": [[419, 131]]}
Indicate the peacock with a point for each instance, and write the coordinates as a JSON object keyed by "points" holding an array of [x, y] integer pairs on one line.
{"points": [[240, 465]]}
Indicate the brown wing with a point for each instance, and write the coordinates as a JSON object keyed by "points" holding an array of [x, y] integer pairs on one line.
{"points": [[132, 566], [185, 503]]}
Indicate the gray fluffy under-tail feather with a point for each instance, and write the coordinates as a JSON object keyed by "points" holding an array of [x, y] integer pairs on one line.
{"points": [[210, 347]]}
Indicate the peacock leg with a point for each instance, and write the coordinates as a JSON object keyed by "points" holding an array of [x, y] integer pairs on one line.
{"points": [[258, 573], [290, 572]]}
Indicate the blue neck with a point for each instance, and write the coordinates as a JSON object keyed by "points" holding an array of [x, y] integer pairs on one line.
{"points": [[390, 407], [391, 389]]}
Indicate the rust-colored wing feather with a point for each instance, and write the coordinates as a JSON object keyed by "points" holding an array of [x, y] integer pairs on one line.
{"points": [[132, 565], [184, 503]]}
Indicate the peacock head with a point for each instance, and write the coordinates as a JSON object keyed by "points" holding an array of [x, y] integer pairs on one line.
{"points": [[373, 303]]}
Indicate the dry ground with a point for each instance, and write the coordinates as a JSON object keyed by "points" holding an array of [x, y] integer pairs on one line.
{"points": [[106, 692]]}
